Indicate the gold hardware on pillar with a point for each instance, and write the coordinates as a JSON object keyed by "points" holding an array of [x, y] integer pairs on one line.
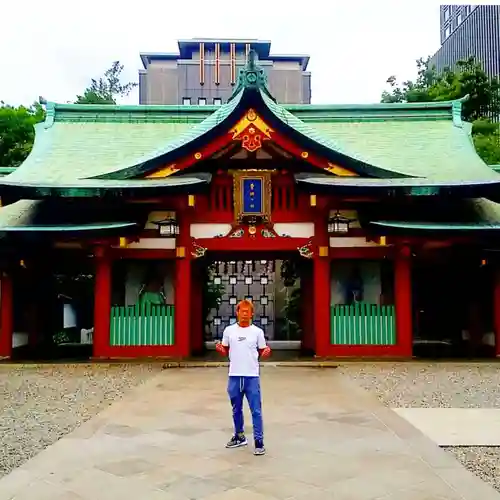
{"points": [[123, 242], [312, 200], [191, 200], [323, 251], [383, 241], [180, 252]]}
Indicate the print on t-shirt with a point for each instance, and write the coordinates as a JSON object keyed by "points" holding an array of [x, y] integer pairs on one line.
{"points": [[244, 344]]}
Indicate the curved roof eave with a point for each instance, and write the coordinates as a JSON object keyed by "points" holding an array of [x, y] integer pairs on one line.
{"points": [[433, 226], [416, 182], [68, 228], [251, 91], [98, 188]]}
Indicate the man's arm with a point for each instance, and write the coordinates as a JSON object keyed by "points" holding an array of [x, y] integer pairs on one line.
{"points": [[264, 349], [223, 347]]}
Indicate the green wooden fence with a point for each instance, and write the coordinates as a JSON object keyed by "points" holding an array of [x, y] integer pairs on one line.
{"points": [[363, 324], [144, 325]]}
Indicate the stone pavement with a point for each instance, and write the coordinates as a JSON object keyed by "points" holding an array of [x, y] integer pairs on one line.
{"points": [[326, 439], [456, 426]]}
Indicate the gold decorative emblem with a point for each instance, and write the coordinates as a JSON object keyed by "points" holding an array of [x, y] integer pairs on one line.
{"points": [[251, 130], [197, 155], [304, 154], [306, 250], [197, 251]]}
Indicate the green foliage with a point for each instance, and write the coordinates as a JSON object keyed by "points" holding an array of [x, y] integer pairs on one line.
{"points": [[211, 294], [292, 314], [466, 79], [17, 133], [488, 144], [107, 88]]}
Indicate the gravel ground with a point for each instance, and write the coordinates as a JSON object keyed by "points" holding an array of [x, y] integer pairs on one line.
{"points": [[439, 385], [39, 405], [430, 385], [482, 461]]}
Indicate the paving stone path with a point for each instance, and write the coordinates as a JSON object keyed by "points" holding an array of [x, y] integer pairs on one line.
{"points": [[326, 439]]}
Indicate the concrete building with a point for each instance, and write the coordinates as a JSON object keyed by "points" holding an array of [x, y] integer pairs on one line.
{"points": [[469, 30], [205, 71]]}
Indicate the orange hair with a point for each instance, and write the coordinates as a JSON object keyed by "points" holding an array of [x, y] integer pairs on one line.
{"points": [[245, 303]]}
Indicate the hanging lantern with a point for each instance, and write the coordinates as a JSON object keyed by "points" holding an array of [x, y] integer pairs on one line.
{"points": [[338, 224], [168, 227]]}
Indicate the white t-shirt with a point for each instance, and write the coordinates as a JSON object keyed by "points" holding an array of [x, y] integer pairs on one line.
{"points": [[243, 343]]}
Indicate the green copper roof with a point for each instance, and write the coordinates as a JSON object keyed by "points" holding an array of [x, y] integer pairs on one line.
{"points": [[87, 146], [435, 149]]}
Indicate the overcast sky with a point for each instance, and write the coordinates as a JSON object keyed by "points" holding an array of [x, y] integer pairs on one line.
{"points": [[52, 48]]}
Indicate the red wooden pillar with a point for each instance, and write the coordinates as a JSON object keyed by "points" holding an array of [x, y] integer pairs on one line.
{"points": [[321, 276], [321, 283], [197, 319], [6, 315], [182, 288], [403, 301], [496, 310], [102, 303], [307, 313]]}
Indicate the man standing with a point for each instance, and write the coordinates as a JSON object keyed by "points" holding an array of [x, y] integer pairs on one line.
{"points": [[244, 341]]}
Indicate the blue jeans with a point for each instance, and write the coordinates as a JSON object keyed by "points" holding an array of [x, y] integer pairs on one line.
{"points": [[238, 387]]}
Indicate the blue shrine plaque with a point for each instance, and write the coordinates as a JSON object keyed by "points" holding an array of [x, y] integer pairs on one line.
{"points": [[252, 195], [252, 192]]}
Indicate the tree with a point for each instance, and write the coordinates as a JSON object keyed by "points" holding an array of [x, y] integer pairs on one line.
{"points": [[17, 133], [107, 88], [467, 79], [412, 91]]}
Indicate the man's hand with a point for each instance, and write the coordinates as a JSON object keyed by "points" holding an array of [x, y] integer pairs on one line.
{"points": [[220, 348], [266, 352]]}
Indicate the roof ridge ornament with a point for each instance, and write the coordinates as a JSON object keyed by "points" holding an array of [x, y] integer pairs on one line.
{"points": [[456, 110], [252, 76]]}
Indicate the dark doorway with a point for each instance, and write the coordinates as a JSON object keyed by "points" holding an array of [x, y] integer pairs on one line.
{"points": [[276, 284]]}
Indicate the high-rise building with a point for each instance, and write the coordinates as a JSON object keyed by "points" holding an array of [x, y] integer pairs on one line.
{"points": [[205, 71], [469, 30]]}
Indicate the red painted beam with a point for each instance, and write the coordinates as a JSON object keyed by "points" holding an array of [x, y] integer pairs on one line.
{"points": [[132, 253], [252, 244]]}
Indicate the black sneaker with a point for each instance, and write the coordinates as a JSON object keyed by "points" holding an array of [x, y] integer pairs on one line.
{"points": [[236, 441], [259, 448]]}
